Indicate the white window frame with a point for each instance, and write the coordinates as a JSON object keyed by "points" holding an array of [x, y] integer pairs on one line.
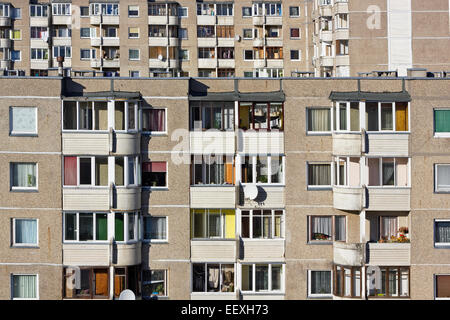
{"points": [[57, 9], [299, 55], [77, 227], [269, 291], [15, 244], [92, 54], [19, 133], [138, 11], [138, 73], [294, 16], [166, 282], [40, 49], [13, 188], [134, 37], [134, 59], [380, 172], [439, 134], [445, 245], [436, 189], [67, 49], [311, 133], [166, 240], [153, 133], [269, 169], [35, 6], [180, 9], [272, 224], [166, 187], [205, 216], [320, 295], [319, 187], [299, 34], [333, 228], [24, 274]]}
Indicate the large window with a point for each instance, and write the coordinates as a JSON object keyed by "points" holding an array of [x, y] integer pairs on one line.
{"points": [[326, 228], [61, 9], [225, 53], [262, 169], [347, 281], [154, 174], [265, 116], [155, 229], [442, 233], [225, 9], [346, 116], [318, 120], [206, 32], [23, 121], [154, 283], [225, 32], [213, 223], [215, 170], [262, 224], [319, 284], [24, 286], [212, 115], [442, 122], [62, 51], [206, 53], [262, 277], [23, 176], [105, 9], [388, 172], [394, 283], [25, 232], [213, 277], [154, 120], [94, 283], [62, 32], [442, 286], [38, 11], [4, 10], [381, 116], [39, 54]]}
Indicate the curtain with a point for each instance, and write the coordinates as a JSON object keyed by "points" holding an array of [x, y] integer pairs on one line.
{"points": [[388, 172], [70, 171], [401, 116], [213, 278], [156, 120], [443, 177], [276, 166], [262, 277], [24, 175], [443, 232], [276, 277], [342, 116], [158, 228], [25, 286], [26, 231], [388, 227], [101, 171], [227, 278], [23, 119], [321, 226], [347, 282], [267, 224], [119, 171], [319, 174], [278, 222], [214, 223], [386, 116], [339, 226], [319, 120], [198, 273], [86, 227]]}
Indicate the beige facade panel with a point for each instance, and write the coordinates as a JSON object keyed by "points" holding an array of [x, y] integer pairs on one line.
{"points": [[214, 250], [86, 143], [213, 197], [389, 254], [212, 142], [389, 199], [348, 144], [394, 145], [348, 254], [252, 142], [39, 21], [268, 197], [347, 198], [254, 250]]}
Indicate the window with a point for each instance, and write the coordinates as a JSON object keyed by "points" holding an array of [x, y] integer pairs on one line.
{"points": [[16, 13], [86, 32], [394, 283], [347, 281], [183, 12], [133, 33], [319, 284], [126, 278], [346, 116], [318, 120], [154, 283], [24, 286], [262, 277], [23, 176], [327, 228], [294, 12], [15, 55], [262, 224], [184, 54], [341, 47], [39, 33], [248, 34], [23, 121], [389, 172], [206, 73], [154, 174], [205, 9], [295, 33], [160, 53], [441, 232], [133, 11], [61, 9], [25, 232], [224, 9], [248, 55], [134, 74], [213, 223], [212, 115], [319, 175], [16, 35], [246, 11], [84, 11], [442, 122], [296, 55], [205, 32], [94, 283], [61, 32], [262, 169], [213, 277], [442, 177], [215, 170], [206, 53], [87, 54], [154, 120], [38, 11], [341, 21], [62, 52], [106, 9], [133, 54], [39, 54], [261, 116], [183, 33], [225, 32], [155, 229], [387, 116], [442, 286]]}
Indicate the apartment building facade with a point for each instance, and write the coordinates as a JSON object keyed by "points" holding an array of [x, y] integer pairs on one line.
{"points": [[197, 188]]}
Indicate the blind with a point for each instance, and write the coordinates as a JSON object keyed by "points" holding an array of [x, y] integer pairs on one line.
{"points": [[443, 286], [154, 167], [442, 120]]}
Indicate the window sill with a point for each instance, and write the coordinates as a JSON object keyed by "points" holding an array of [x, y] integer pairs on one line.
{"points": [[24, 190], [318, 133], [29, 246], [442, 246], [156, 134], [319, 297], [320, 242], [147, 188], [318, 188], [18, 134], [155, 241]]}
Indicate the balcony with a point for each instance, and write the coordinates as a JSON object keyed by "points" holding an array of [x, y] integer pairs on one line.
{"points": [[64, 20], [348, 144], [258, 42], [226, 63], [349, 254], [388, 198], [98, 254], [326, 35], [5, 21], [215, 295], [348, 198], [67, 62], [342, 60], [269, 196], [389, 254], [253, 142], [327, 61], [217, 142], [39, 64], [111, 63], [5, 43], [38, 43], [156, 63], [39, 21], [214, 250], [261, 250], [206, 20], [207, 63], [157, 19], [62, 41], [108, 19], [94, 143], [392, 144], [111, 41], [325, 11], [96, 63], [101, 198], [342, 34], [5, 64], [214, 196], [275, 63]]}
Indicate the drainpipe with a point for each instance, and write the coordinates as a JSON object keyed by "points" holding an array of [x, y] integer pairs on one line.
{"points": [[111, 268]]}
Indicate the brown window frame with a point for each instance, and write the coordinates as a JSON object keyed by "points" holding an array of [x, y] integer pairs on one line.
{"points": [[252, 120], [387, 269], [352, 275]]}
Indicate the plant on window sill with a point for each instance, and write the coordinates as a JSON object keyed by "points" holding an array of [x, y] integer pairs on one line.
{"points": [[320, 236], [400, 239]]}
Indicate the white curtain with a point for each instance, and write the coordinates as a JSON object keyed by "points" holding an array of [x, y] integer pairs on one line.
{"points": [[213, 278], [321, 225], [24, 175], [339, 222], [24, 286], [319, 174], [319, 120], [158, 228], [320, 282], [443, 177], [388, 173], [388, 227], [26, 231], [443, 232]]}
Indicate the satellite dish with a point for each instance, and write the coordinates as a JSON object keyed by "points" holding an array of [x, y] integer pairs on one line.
{"points": [[237, 38], [127, 295], [251, 191], [160, 57]]}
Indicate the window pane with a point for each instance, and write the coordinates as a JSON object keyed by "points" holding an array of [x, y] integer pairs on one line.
{"points": [[131, 169], [339, 225], [86, 227], [101, 228], [342, 116], [213, 277], [85, 171], [262, 167], [356, 283], [276, 166], [26, 231], [23, 120], [24, 286], [198, 277], [257, 224], [155, 228], [24, 175], [119, 226], [401, 116], [247, 169], [321, 228], [320, 282], [372, 116], [262, 278], [101, 116], [442, 232], [131, 116], [85, 116], [443, 177], [276, 116], [260, 116], [227, 278], [354, 116], [388, 172], [442, 120], [245, 224], [386, 116], [131, 226], [276, 277], [247, 277], [319, 174], [319, 120], [199, 224], [101, 171], [70, 115], [70, 226]]}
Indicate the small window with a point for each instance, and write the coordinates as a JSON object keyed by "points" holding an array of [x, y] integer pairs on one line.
{"points": [[154, 283], [134, 74], [319, 284], [294, 12], [23, 176], [295, 33], [24, 286], [23, 121], [319, 175], [154, 174], [295, 55], [248, 34], [16, 35], [154, 120], [16, 13], [246, 11], [133, 11], [133, 33], [25, 232], [155, 229], [183, 12], [442, 287], [184, 54], [183, 33], [442, 233], [319, 120], [133, 54], [327, 228], [85, 32], [248, 55], [442, 123], [15, 55], [84, 11]]}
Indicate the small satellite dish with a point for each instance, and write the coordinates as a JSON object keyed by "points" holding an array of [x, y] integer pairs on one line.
{"points": [[237, 38], [160, 57], [127, 295], [251, 191]]}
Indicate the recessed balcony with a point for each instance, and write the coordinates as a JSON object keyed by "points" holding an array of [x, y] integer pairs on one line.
{"points": [[106, 19], [62, 41], [225, 42], [343, 60], [275, 63], [111, 41], [259, 20], [39, 64], [259, 63], [342, 34], [268, 196], [327, 61], [159, 20], [326, 11], [340, 7], [258, 42], [207, 42], [226, 63], [274, 42], [111, 63]]}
